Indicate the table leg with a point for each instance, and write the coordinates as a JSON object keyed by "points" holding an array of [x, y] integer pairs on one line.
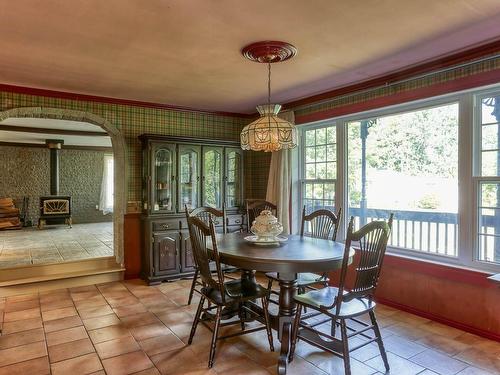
{"points": [[287, 310]]}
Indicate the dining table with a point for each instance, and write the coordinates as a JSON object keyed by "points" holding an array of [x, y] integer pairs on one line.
{"points": [[294, 255]]}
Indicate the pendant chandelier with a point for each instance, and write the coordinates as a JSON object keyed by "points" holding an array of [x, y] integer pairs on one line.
{"points": [[269, 133]]}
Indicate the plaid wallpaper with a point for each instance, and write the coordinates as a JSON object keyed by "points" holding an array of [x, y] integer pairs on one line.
{"points": [[134, 120]]}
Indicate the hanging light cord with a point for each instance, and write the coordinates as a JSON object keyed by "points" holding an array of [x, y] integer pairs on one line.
{"points": [[268, 83]]}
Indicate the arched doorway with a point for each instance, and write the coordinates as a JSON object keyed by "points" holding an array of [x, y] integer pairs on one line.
{"points": [[118, 145]]}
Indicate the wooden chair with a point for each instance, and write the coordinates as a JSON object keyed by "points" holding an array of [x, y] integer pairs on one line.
{"points": [[223, 294], [342, 304], [255, 206], [322, 224], [205, 214]]}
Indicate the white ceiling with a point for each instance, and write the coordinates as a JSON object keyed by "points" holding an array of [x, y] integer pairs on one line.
{"points": [[40, 137], [187, 53]]}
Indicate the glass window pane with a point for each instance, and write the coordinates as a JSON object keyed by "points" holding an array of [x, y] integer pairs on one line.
{"points": [[331, 136], [310, 171], [489, 222], [331, 171], [320, 136], [489, 163], [331, 153], [320, 153], [321, 170], [410, 169], [489, 137], [310, 137], [488, 114], [310, 154], [490, 195]]}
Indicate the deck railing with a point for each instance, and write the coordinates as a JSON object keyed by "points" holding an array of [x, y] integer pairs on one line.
{"points": [[430, 231], [427, 231]]}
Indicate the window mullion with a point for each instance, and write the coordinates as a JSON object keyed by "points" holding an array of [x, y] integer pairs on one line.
{"points": [[467, 207]]}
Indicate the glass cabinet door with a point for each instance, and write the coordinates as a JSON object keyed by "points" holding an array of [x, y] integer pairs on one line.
{"points": [[212, 177], [189, 177], [233, 177], [163, 179]]}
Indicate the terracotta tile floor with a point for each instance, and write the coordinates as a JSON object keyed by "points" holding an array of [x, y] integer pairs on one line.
{"points": [[130, 328]]}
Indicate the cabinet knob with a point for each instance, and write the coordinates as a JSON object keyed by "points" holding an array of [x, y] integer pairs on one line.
{"points": [[237, 221], [216, 223], [164, 226]]}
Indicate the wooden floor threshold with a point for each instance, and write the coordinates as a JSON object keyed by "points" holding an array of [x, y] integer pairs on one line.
{"points": [[48, 277]]}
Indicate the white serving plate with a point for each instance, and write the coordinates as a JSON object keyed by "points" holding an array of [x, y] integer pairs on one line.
{"points": [[259, 241]]}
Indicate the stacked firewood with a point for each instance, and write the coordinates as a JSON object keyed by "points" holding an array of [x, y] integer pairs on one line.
{"points": [[9, 214]]}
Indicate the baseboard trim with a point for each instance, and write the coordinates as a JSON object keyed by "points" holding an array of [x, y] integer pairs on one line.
{"points": [[452, 323]]}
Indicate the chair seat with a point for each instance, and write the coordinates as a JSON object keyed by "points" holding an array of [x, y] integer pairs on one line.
{"points": [[236, 291], [326, 296], [303, 279]]}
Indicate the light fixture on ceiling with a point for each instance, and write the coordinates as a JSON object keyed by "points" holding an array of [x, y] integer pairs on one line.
{"points": [[269, 132]]}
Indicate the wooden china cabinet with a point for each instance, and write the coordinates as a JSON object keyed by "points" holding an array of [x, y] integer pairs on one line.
{"points": [[179, 171]]}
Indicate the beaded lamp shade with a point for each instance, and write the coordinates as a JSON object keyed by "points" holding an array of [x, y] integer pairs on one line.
{"points": [[269, 133]]}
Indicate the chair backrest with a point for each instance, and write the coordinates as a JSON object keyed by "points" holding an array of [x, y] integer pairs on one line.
{"points": [[322, 224], [371, 245], [256, 206], [200, 234], [207, 213]]}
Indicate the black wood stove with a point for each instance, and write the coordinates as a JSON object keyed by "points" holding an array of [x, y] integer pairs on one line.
{"points": [[54, 208]]}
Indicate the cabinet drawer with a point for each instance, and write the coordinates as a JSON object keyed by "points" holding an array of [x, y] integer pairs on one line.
{"points": [[235, 220], [161, 225]]}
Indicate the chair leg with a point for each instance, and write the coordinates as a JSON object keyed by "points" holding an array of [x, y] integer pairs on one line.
{"points": [[302, 290], [334, 327], [265, 307], [215, 334], [345, 347], [240, 315], [193, 284], [295, 332], [196, 320], [376, 329], [270, 285]]}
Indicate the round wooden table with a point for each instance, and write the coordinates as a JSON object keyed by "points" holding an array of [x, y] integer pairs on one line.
{"points": [[297, 254]]}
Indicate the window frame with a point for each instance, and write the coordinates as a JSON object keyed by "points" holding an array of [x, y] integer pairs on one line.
{"points": [[301, 170], [468, 181]]}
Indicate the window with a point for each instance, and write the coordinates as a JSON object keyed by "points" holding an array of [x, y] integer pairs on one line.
{"points": [[434, 163], [488, 183], [319, 168], [407, 164], [107, 186]]}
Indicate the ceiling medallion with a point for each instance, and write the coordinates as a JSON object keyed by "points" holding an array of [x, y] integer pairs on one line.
{"points": [[269, 132]]}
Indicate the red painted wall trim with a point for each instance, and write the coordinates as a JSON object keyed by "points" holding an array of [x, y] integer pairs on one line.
{"points": [[445, 61], [464, 327], [105, 99], [476, 80], [440, 271], [132, 243]]}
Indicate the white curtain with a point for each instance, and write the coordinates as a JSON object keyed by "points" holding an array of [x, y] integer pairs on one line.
{"points": [[107, 186], [279, 183]]}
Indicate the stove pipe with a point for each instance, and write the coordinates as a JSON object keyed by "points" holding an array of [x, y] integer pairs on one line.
{"points": [[54, 147]]}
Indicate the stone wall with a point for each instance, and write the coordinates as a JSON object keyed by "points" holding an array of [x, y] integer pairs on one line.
{"points": [[25, 171]]}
